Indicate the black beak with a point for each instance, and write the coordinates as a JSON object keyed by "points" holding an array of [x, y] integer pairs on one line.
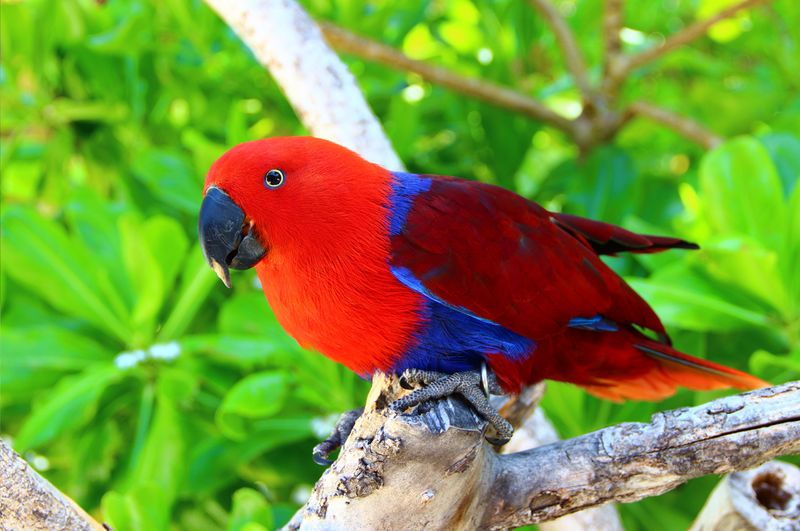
{"points": [[226, 238]]}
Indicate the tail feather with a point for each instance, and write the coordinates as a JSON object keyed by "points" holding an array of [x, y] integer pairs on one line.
{"points": [[617, 366], [669, 370], [605, 238]]}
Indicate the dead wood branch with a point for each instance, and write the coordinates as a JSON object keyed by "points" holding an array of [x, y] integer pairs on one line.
{"points": [[538, 431], [28, 501], [432, 469]]}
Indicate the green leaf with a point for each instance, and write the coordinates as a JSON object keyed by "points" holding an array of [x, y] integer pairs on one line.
{"points": [[249, 313], [784, 149], [38, 253], [594, 187], [196, 284], [790, 261], [94, 223], [742, 191], [212, 459], [67, 406], [744, 262], [762, 358], [246, 352], [685, 299], [168, 244], [162, 459], [145, 275], [170, 178], [256, 396], [38, 356], [142, 509], [250, 509]]}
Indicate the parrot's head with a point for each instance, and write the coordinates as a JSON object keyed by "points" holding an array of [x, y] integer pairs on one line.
{"points": [[270, 194]]}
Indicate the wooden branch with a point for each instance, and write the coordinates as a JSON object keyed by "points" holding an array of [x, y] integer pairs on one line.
{"points": [[28, 501], [613, 60], [680, 124], [767, 497], [345, 41], [538, 431], [289, 44], [687, 34], [432, 469], [569, 47]]}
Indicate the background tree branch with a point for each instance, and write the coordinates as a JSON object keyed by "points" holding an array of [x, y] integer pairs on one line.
{"points": [[569, 46], [348, 42], [686, 35], [601, 120], [680, 124]]}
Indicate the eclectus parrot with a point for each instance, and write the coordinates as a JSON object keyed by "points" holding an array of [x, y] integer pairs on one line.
{"points": [[440, 277]]}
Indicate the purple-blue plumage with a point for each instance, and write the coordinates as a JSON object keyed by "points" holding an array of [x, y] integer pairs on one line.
{"points": [[449, 338]]}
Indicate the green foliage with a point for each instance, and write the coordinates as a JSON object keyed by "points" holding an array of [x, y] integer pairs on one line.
{"points": [[158, 401]]}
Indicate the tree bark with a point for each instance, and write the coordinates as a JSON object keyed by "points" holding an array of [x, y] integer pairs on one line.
{"points": [[766, 498], [433, 470], [30, 502]]}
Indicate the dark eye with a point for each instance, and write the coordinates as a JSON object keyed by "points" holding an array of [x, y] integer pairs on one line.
{"points": [[274, 178]]}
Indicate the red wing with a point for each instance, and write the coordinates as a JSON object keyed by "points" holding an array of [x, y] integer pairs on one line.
{"points": [[500, 257], [606, 238]]}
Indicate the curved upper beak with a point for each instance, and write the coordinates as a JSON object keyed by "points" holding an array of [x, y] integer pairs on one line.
{"points": [[226, 236]]}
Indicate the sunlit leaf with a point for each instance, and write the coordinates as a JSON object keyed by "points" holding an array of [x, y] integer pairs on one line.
{"points": [[250, 511], [67, 406], [256, 396], [742, 191]]}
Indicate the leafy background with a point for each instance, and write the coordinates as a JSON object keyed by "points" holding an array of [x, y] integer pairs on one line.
{"points": [[159, 400]]}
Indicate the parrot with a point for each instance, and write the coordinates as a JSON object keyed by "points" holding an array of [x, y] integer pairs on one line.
{"points": [[459, 285]]}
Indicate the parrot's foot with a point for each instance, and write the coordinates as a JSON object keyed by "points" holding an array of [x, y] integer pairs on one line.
{"points": [[337, 437], [473, 386]]}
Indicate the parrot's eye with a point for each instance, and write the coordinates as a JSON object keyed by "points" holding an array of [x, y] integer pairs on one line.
{"points": [[274, 178]]}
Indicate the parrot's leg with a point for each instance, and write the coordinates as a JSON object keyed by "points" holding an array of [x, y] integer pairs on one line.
{"points": [[337, 437], [473, 386]]}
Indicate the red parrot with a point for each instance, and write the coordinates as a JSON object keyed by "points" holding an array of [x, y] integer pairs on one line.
{"points": [[390, 271]]}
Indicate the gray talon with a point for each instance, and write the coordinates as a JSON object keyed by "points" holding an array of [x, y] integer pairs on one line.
{"points": [[337, 437], [470, 385]]}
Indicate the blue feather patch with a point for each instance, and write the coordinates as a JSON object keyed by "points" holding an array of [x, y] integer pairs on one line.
{"points": [[405, 187], [451, 341], [598, 323]]}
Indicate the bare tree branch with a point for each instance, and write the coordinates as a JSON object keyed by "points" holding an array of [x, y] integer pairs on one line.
{"points": [[612, 46], [687, 34], [345, 41], [538, 431], [432, 469], [680, 124], [569, 47], [28, 501], [632, 461]]}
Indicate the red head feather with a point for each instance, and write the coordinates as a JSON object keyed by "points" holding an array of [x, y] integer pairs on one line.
{"points": [[326, 231]]}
